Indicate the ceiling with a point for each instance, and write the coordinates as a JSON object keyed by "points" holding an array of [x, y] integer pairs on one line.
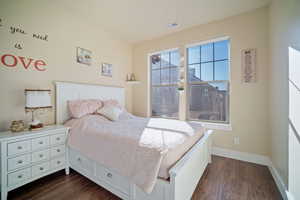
{"points": [[138, 20]]}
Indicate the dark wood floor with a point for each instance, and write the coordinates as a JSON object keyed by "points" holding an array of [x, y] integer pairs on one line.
{"points": [[224, 179]]}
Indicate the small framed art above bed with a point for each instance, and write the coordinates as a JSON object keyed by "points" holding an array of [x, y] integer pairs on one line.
{"points": [[135, 158]]}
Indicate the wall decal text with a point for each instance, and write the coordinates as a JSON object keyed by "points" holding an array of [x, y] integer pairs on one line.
{"points": [[18, 46], [18, 30], [10, 60], [14, 30]]}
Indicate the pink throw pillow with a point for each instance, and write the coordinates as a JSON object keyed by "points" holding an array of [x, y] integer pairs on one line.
{"points": [[112, 102], [79, 108]]}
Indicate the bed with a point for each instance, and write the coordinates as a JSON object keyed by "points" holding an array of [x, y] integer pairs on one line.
{"points": [[179, 170]]}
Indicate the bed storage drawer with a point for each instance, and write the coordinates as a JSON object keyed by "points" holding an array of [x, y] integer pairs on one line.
{"points": [[113, 179], [81, 163]]}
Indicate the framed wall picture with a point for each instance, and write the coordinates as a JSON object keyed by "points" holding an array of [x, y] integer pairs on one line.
{"points": [[84, 56], [249, 74], [106, 69]]}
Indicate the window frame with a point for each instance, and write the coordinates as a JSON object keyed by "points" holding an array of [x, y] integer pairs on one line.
{"points": [[188, 83], [149, 109]]}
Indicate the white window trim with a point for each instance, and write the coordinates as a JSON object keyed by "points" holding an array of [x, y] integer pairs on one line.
{"points": [[214, 126], [207, 41]]}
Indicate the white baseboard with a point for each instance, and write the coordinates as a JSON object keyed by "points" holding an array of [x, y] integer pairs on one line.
{"points": [[290, 196], [257, 159], [247, 157], [279, 182]]}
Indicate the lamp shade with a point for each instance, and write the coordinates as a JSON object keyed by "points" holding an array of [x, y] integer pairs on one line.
{"points": [[37, 99]]}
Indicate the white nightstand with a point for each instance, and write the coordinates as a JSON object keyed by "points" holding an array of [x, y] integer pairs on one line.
{"points": [[29, 155]]}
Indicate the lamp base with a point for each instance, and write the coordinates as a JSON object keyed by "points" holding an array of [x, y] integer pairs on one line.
{"points": [[34, 125]]}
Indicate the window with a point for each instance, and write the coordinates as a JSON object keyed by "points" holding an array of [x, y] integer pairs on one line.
{"points": [[208, 80], [164, 80]]}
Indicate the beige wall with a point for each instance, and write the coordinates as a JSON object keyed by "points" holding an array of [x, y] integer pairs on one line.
{"points": [[284, 33], [65, 32], [248, 102]]}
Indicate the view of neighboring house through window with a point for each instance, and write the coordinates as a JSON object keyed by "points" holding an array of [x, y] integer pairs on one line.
{"points": [[164, 81], [208, 76]]}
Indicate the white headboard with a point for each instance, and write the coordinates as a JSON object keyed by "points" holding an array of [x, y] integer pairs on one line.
{"points": [[70, 91]]}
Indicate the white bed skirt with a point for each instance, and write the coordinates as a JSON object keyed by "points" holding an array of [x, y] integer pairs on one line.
{"points": [[184, 175]]}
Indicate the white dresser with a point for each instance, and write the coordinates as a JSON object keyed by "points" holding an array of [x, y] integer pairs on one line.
{"points": [[29, 155]]}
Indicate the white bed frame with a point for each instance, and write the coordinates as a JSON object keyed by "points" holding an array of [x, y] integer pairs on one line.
{"points": [[184, 175]]}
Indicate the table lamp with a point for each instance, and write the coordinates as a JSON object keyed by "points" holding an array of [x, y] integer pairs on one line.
{"points": [[36, 99]]}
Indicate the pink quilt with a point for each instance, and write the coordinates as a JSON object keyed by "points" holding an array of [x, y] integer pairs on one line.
{"points": [[134, 147]]}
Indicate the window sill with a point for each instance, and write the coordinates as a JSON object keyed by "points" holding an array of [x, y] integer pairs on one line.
{"points": [[215, 126]]}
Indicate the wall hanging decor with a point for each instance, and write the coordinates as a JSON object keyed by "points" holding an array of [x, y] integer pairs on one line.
{"points": [[106, 69], [249, 66], [84, 56]]}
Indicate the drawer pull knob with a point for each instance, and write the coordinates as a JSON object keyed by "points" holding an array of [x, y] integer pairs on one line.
{"points": [[20, 176], [41, 155], [58, 150], [20, 161], [41, 142], [79, 159], [58, 162], [57, 138], [109, 175], [41, 168], [19, 147]]}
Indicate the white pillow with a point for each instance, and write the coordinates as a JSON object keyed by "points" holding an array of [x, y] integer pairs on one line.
{"points": [[110, 112]]}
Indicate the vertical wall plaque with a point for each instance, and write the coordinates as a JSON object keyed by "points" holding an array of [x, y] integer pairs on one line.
{"points": [[249, 66]]}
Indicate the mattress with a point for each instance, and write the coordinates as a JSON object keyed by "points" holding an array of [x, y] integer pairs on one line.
{"points": [[176, 139]]}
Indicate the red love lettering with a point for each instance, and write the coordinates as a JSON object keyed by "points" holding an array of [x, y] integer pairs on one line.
{"points": [[3, 60], [23, 61]]}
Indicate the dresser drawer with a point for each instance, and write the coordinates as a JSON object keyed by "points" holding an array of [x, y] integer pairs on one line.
{"points": [[57, 162], [18, 147], [58, 150], [39, 143], [40, 155], [17, 162], [18, 176], [113, 179], [40, 169], [57, 139]]}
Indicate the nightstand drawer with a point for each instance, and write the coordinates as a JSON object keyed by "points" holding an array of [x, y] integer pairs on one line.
{"points": [[57, 139], [18, 147], [40, 155], [39, 143], [18, 176], [58, 150], [40, 169], [57, 162], [20, 161]]}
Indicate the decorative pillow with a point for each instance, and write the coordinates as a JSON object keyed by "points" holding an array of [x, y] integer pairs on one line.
{"points": [[112, 102], [79, 108], [110, 112]]}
